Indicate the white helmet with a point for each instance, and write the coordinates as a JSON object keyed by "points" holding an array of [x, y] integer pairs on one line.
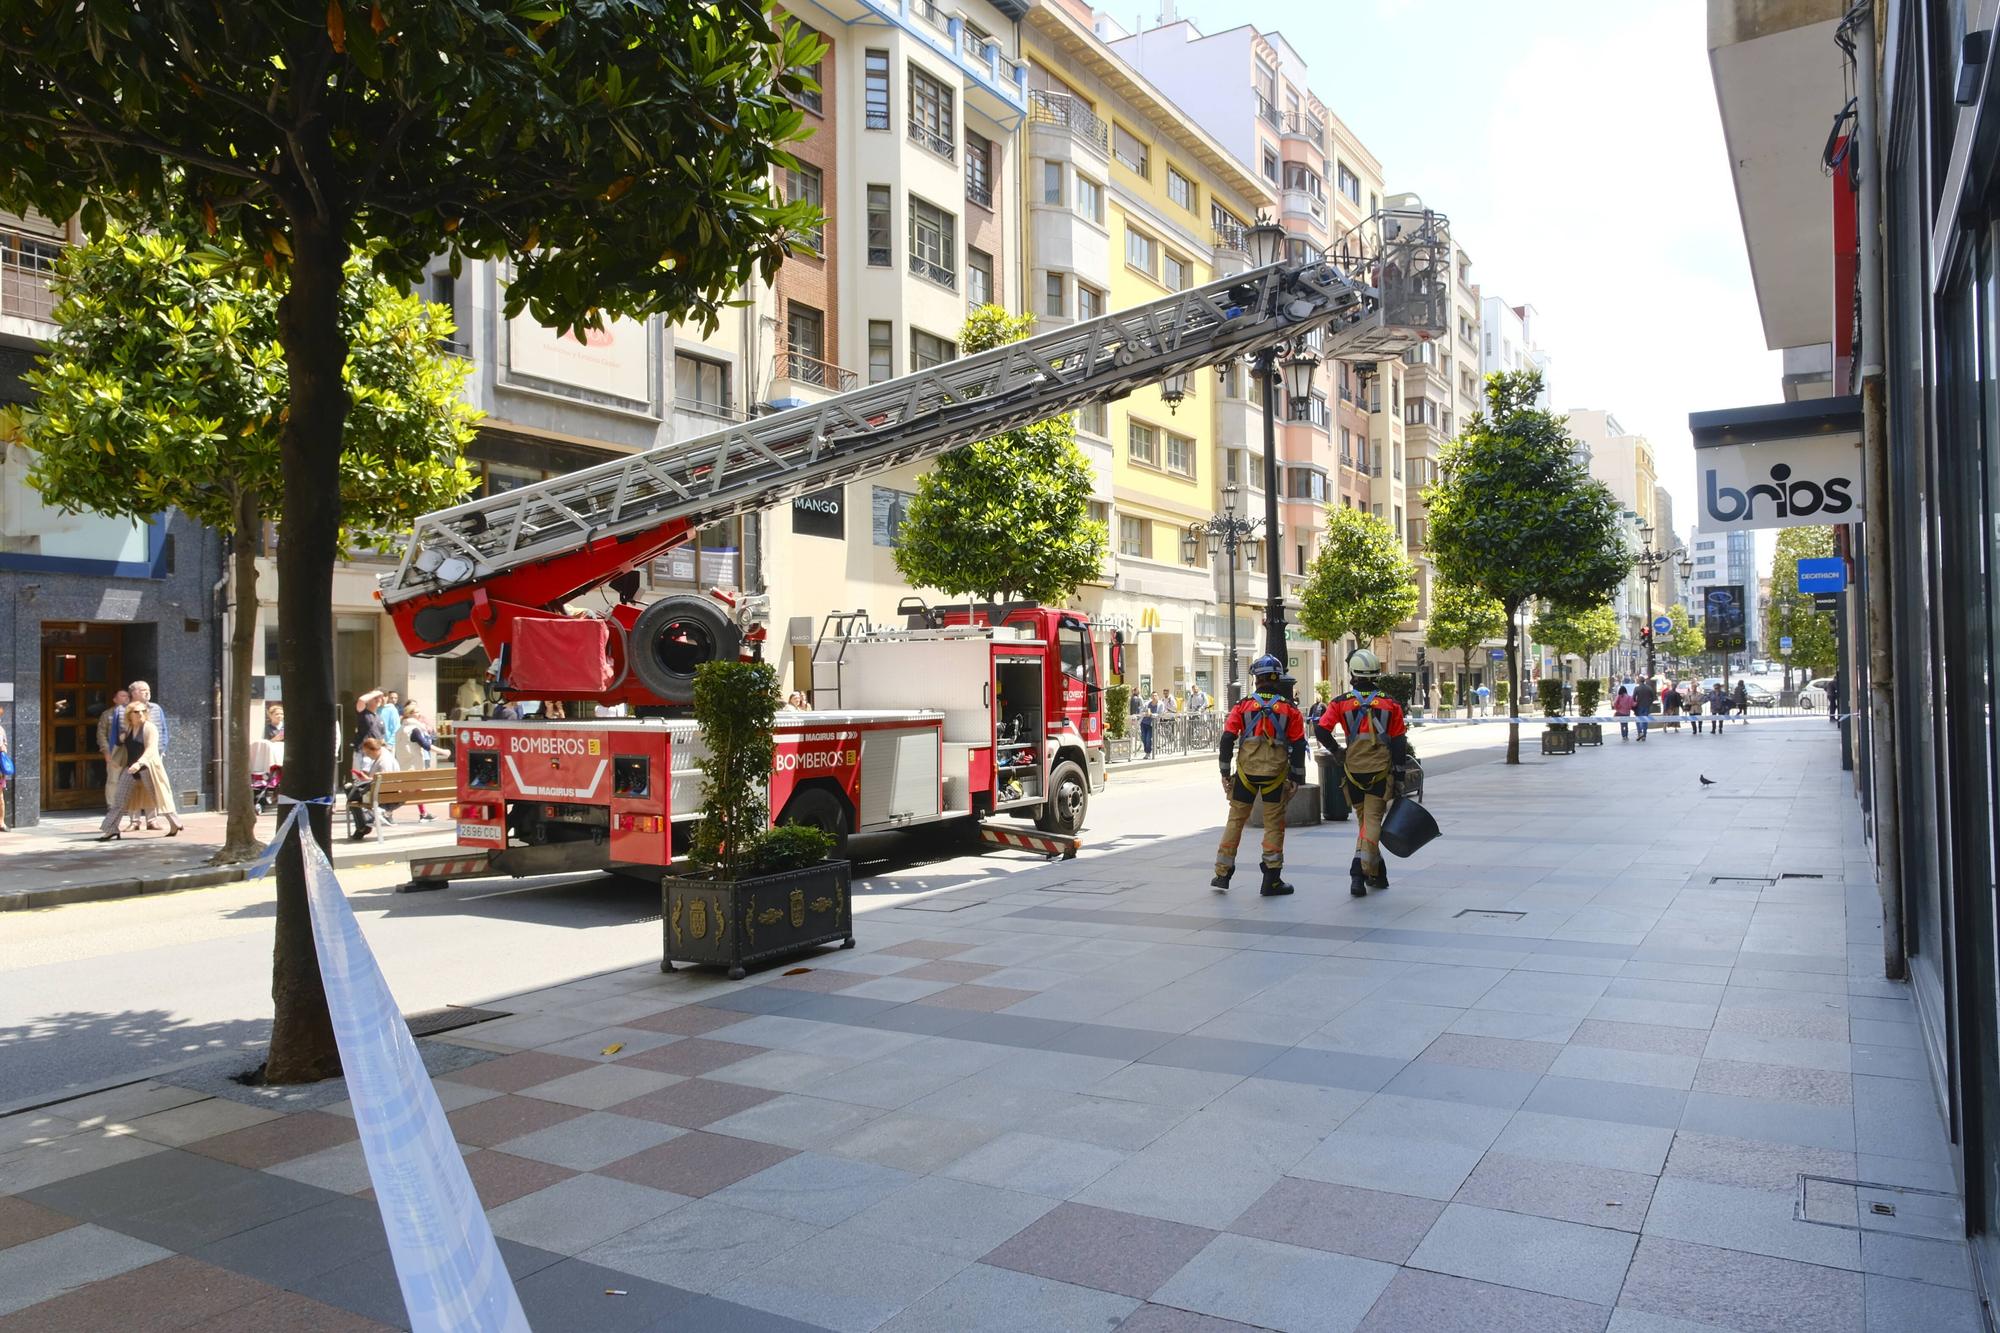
{"points": [[1362, 662]]}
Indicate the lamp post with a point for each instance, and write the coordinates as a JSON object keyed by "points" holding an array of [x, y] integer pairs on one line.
{"points": [[1266, 241], [1650, 561], [1224, 534]]}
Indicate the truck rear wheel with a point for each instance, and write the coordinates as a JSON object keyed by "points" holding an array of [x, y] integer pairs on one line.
{"points": [[675, 635], [816, 807], [1068, 802]]}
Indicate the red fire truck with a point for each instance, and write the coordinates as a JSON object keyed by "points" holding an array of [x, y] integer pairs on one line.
{"points": [[960, 714]]}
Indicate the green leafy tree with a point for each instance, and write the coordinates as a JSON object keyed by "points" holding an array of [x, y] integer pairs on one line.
{"points": [[164, 388], [1361, 581], [615, 155], [1686, 640], [1516, 514], [1462, 619], [1791, 612], [1008, 517], [1584, 632]]}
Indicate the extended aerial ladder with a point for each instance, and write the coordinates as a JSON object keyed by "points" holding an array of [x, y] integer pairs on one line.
{"points": [[478, 569]]}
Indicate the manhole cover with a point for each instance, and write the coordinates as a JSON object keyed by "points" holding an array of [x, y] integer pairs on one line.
{"points": [[1863, 1205], [1487, 914]]}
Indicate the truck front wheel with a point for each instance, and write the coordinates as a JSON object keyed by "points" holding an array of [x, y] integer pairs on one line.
{"points": [[1068, 802], [816, 807]]}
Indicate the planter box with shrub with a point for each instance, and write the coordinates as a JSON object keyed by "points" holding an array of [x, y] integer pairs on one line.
{"points": [[1557, 738], [1588, 693]]}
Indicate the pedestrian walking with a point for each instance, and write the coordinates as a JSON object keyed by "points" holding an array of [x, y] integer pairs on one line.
{"points": [[390, 710], [1622, 708], [1263, 756], [110, 727], [142, 693], [416, 748], [1377, 745], [1146, 710], [1485, 697], [1718, 707], [1691, 705], [1670, 700], [1742, 701], [6, 768], [1833, 701], [1644, 698], [142, 788]]}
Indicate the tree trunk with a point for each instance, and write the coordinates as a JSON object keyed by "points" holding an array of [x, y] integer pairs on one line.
{"points": [[1513, 684], [302, 1045], [1465, 679], [239, 838]]}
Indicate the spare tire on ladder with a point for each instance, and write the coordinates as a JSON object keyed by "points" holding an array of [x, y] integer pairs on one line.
{"points": [[675, 635]]}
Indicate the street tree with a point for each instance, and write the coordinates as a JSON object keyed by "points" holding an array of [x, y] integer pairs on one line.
{"points": [[616, 157], [1462, 619], [165, 388], [1515, 513], [1686, 640], [1577, 632], [1361, 581], [1007, 517], [1790, 611]]}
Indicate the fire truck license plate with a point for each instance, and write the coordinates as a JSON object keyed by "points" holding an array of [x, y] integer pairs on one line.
{"points": [[482, 832]]}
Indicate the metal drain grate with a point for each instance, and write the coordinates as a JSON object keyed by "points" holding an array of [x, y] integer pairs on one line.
{"points": [[1741, 879], [1800, 874], [433, 1021], [939, 905], [1487, 914], [1864, 1205]]}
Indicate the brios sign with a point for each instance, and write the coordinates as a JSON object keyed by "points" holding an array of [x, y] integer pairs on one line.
{"points": [[1778, 484]]}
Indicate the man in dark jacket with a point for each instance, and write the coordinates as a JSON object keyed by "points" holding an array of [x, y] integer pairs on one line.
{"points": [[1644, 698]]}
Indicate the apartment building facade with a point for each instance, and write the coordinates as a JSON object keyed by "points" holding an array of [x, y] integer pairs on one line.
{"points": [[1508, 343], [1624, 461]]}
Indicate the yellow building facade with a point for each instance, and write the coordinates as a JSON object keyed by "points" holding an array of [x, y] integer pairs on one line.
{"points": [[1127, 201]]}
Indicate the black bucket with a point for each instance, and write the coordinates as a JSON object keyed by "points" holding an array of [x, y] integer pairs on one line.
{"points": [[1332, 790], [1407, 826]]}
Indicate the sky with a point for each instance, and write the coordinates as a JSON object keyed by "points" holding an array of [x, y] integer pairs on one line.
{"points": [[1576, 147]]}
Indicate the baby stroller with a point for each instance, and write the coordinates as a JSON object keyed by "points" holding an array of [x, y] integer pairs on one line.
{"points": [[264, 788]]}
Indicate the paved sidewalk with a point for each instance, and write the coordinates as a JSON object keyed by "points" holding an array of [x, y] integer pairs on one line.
{"points": [[60, 861], [1575, 1070]]}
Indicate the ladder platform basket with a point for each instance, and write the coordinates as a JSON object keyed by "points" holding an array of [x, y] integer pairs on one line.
{"points": [[756, 918]]}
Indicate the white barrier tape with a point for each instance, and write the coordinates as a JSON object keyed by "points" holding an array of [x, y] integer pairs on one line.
{"points": [[1612, 719], [269, 856], [447, 1263]]}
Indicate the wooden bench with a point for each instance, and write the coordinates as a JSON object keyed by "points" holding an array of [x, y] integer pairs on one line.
{"points": [[420, 786]]}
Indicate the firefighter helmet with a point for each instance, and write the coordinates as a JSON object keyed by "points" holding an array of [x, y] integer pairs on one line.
{"points": [[1362, 662], [1267, 665]]}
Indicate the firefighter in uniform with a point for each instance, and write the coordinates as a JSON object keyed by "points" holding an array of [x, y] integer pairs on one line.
{"points": [[1265, 737], [1377, 746]]}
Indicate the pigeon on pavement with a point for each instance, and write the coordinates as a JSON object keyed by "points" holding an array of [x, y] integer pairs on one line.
{"points": [[1706, 781]]}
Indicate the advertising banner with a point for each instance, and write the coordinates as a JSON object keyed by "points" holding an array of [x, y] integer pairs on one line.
{"points": [[891, 508], [1724, 618], [1779, 484], [614, 360]]}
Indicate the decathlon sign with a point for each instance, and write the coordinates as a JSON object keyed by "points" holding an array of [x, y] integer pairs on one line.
{"points": [[1786, 465]]}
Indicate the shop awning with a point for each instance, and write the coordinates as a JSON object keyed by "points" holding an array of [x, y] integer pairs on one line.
{"points": [[1210, 648]]}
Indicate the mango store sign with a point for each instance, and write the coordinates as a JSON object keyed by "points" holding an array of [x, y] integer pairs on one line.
{"points": [[1782, 466]]}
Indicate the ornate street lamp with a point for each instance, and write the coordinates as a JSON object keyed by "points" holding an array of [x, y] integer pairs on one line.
{"points": [[1174, 390], [1650, 562], [1265, 241], [1224, 535]]}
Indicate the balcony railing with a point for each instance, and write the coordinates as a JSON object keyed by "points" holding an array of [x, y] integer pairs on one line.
{"points": [[1307, 127], [27, 269], [789, 365], [979, 192], [1062, 110], [936, 272], [926, 137], [1233, 236], [1267, 110]]}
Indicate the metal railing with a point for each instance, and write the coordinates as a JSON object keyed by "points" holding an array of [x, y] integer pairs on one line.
{"points": [[1306, 127], [1233, 236], [936, 272], [790, 365], [1063, 110], [27, 272], [1267, 110], [924, 136], [979, 192]]}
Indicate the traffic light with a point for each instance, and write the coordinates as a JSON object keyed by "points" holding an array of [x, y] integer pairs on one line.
{"points": [[1645, 634]]}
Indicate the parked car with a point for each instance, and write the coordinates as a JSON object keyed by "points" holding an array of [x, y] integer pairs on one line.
{"points": [[1814, 695], [1759, 696]]}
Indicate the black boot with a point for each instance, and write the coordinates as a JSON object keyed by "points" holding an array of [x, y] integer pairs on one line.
{"points": [[1221, 881], [1274, 884], [1357, 883], [1379, 880]]}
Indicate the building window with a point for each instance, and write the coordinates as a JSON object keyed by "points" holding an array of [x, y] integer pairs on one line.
{"points": [[1232, 468], [1177, 273], [1052, 295], [1142, 443], [931, 121], [1234, 379], [1349, 183], [1142, 252], [933, 243], [810, 99], [1094, 419], [927, 350], [978, 170], [1227, 224], [1311, 408], [1301, 177], [1089, 301], [875, 89], [978, 277], [1131, 150], [881, 351], [805, 338], [1270, 163], [807, 184], [1180, 189], [1089, 198], [701, 385], [1052, 183], [1180, 455], [1132, 536], [880, 227]]}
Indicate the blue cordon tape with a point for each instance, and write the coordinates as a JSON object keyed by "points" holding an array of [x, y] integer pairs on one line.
{"points": [[447, 1263]]}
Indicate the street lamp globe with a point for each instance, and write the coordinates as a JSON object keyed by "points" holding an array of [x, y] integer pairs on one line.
{"points": [[1298, 370], [1173, 390], [1191, 544], [1266, 241]]}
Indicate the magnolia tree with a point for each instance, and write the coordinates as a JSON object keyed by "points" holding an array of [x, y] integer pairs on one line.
{"points": [[1007, 517], [1516, 515], [615, 156], [1575, 632], [1462, 620], [165, 388], [1361, 581]]}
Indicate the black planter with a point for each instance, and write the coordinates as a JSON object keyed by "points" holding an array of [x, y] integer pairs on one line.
{"points": [[735, 924], [1590, 733], [1557, 738]]}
